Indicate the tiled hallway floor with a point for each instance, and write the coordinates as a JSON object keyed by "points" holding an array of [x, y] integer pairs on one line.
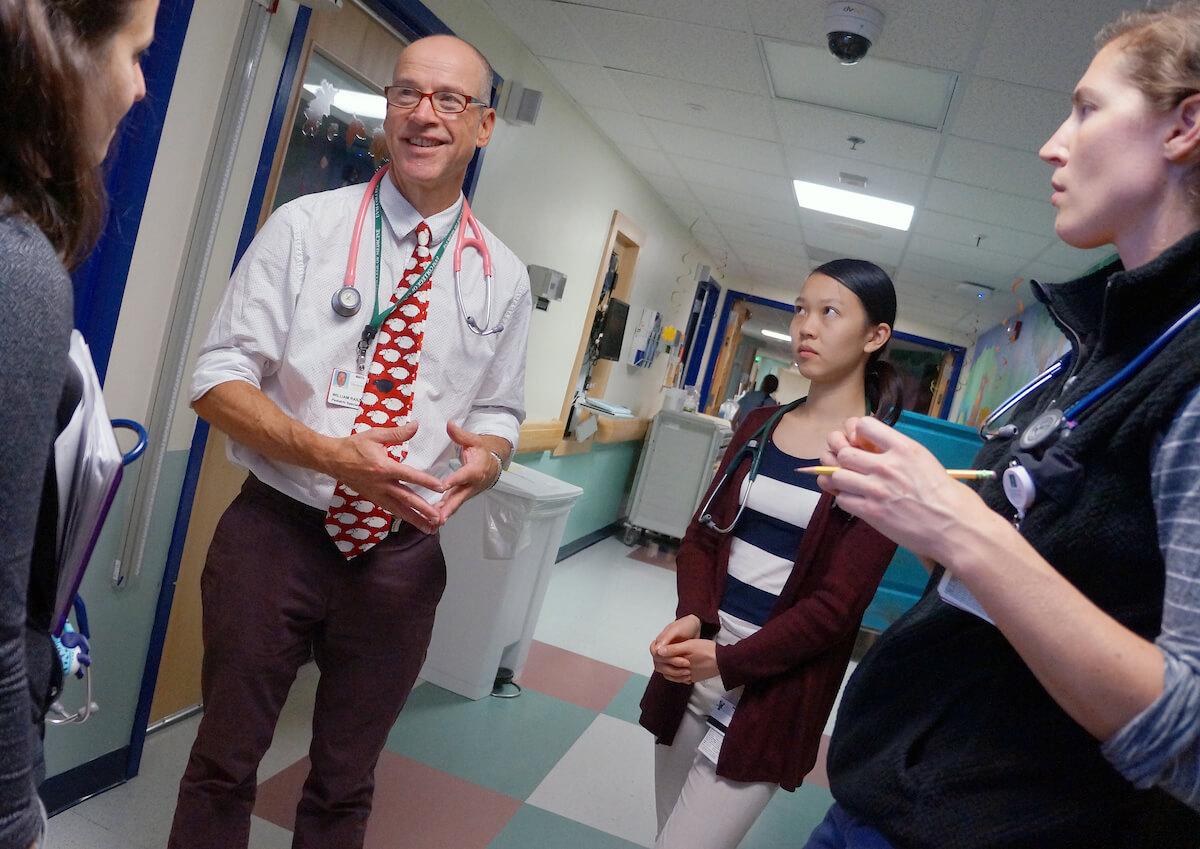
{"points": [[564, 766]]}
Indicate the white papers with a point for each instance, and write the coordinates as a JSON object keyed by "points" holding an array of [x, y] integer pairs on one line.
{"points": [[88, 468]]}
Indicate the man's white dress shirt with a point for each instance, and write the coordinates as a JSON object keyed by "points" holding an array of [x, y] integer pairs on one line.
{"points": [[276, 329]]}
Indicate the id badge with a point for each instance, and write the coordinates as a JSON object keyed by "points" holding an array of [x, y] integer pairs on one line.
{"points": [[346, 388], [718, 724]]}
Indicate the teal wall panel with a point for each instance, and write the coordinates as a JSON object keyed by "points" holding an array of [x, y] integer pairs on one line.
{"points": [[955, 446], [605, 475], [121, 622]]}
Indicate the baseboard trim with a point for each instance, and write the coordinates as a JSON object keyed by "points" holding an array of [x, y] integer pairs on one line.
{"points": [[587, 540], [69, 788]]}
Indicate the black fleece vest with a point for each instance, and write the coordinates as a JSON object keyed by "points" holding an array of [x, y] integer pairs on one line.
{"points": [[944, 737]]}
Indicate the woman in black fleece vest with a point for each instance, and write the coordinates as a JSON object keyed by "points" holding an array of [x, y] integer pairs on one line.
{"points": [[954, 732], [70, 71]]}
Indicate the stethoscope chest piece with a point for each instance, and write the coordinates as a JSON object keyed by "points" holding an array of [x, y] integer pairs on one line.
{"points": [[347, 302], [1041, 430]]}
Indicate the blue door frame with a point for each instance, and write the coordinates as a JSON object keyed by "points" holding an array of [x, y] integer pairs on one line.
{"points": [[412, 20], [732, 298]]}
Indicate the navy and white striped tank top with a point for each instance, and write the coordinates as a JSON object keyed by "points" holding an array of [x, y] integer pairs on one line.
{"points": [[765, 541]]}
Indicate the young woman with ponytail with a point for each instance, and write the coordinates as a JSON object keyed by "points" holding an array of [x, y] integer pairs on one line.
{"points": [[769, 611], [70, 71]]}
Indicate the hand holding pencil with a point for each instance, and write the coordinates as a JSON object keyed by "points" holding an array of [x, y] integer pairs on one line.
{"points": [[957, 474], [897, 486]]}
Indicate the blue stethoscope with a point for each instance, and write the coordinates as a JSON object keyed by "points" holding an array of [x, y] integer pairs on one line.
{"points": [[754, 447], [1044, 431], [347, 301]]}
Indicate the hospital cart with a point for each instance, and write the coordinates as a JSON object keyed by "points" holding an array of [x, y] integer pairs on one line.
{"points": [[679, 459]]}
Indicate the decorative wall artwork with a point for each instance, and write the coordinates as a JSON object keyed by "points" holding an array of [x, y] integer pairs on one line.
{"points": [[1005, 358]]}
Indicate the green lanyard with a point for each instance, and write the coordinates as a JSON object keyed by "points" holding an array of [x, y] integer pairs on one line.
{"points": [[378, 317]]}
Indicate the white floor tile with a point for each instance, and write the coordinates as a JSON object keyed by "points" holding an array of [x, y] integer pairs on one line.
{"points": [[69, 830], [604, 605], [838, 701], [605, 780]]}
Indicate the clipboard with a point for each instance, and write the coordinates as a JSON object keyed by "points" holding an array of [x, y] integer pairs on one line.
{"points": [[88, 466]]}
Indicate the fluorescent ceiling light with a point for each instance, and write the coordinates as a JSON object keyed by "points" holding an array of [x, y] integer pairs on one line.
{"points": [[860, 207], [774, 334]]}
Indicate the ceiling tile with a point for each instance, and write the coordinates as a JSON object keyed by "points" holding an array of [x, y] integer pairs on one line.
{"points": [[622, 127], [991, 207], [769, 258], [963, 255], [746, 240], [724, 14], [993, 167], [954, 228], [545, 29], [936, 33], [890, 183], [590, 85], [1045, 44], [649, 160], [697, 105], [671, 188], [786, 231], [916, 263], [1064, 255], [1013, 115], [715, 199], [813, 222], [681, 51], [714, 146], [845, 246], [886, 143], [776, 189], [689, 212]]}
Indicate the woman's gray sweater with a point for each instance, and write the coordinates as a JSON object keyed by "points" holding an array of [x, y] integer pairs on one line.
{"points": [[35, 328]]}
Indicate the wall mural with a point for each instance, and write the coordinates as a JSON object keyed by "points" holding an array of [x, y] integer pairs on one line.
{"points": [[1007, 357]]}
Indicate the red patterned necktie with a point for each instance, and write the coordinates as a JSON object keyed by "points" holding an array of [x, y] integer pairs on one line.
{"points": [[355, 524]]}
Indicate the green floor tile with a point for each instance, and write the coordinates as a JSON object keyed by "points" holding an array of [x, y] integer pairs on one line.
{"points": [[625, 703], [533, 827], [507, 745], [789, 819]]}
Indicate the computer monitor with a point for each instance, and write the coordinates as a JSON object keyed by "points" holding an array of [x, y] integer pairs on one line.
{"points": [[612, 332]]}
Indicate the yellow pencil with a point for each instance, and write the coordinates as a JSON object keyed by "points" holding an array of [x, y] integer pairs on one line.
{"points": [[957, 474]]}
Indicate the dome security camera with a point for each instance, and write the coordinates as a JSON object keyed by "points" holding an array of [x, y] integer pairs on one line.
{"points": [[852, 28]]}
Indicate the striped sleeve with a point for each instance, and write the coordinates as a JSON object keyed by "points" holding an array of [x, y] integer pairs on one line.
{"points": [[1161, 746]]}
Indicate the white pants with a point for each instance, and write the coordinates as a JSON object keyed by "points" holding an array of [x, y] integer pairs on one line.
{"points": [[697, 809]]}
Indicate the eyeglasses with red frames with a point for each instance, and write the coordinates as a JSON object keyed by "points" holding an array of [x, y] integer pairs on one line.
{"points": [[446, 102]]}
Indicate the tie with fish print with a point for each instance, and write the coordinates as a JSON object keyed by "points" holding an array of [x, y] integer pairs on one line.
{"points": [[355, 524]]}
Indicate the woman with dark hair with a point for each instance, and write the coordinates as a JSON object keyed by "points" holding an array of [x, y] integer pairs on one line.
{"points": [[773, 582], [1045, 690], [70, 71], [755, 398]]}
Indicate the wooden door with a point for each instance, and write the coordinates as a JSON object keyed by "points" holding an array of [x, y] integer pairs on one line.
{"points": [[729, 346], [942, 385], [359, 53]]}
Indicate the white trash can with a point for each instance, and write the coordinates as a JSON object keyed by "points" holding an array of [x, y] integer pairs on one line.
{"points": [[499, 548]]}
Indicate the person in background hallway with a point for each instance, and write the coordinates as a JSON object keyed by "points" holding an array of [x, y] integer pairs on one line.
{"points": [[1074, 721], [71, 71], [768, 612], [332, 546], [756, 398]]}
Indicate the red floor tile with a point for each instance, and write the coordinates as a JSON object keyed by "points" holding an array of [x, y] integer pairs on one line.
{"points": [[416, 806], [656, 555], [572, 677]]}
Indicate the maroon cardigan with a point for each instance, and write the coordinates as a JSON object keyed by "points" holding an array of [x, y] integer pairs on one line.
{"points": [[792, 667]]}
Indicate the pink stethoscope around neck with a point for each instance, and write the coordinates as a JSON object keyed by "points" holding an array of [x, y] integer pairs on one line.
{"points": [[347, 301]]}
